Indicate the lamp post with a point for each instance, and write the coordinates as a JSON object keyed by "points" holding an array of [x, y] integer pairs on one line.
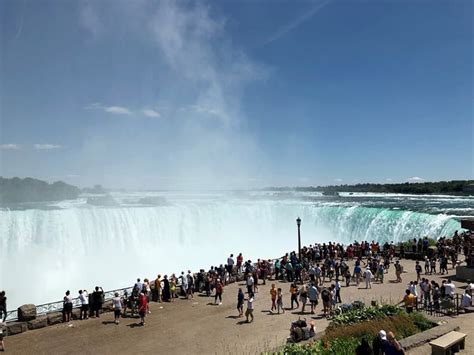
{"points": [[298, 223]]}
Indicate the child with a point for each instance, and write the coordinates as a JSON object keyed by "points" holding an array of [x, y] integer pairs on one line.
{"points": [[433, 266], [280, 301], [348, 278], [240, 302], [273, 293], [381, 272], [427, 265], [249, 311]]}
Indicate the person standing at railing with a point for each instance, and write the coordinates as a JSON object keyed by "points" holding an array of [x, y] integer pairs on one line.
{"points": [[97, 301], [3, 306], [117, 306], [409, 300], [158, 289], [67, 307], [84, 298], [466, 300]]}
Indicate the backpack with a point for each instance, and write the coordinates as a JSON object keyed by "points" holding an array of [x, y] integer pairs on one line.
{"points": [[325, 295], [301, 323]]}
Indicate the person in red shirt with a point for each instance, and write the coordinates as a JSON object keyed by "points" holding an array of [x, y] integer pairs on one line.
{"points": [[240, 260], [142, 307]]}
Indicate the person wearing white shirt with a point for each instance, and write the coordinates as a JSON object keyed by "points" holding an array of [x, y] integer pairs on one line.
{"points": [[230, 264], [84, 298], [466, 300], [250, 282], [470, 289], [368, 278], [450, 289], [413, 289]]}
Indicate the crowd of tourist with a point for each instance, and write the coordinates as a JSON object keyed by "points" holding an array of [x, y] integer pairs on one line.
{"points": [[316, 276]]}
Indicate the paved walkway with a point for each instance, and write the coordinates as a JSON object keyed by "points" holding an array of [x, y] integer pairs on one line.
{"points": [[466, 326], [195, 325]]}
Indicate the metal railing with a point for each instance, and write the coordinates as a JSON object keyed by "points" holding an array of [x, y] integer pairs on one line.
{"points": [[58, 306], [445, 306]]}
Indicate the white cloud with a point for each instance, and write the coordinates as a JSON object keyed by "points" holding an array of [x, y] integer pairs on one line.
{"points": [[205, 76], [338, 180], [388, 179], [415, 179], [117, 110], [10, 146], [151, 113], [46, 146]]}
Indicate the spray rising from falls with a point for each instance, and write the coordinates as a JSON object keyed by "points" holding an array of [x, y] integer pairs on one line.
{"points": [[45, 252]]}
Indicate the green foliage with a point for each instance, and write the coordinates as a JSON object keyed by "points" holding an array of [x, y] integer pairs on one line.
{"points": [[18, 190], [341, 345], [420, 321], [361, 323], [363, 314], [456, 187]]}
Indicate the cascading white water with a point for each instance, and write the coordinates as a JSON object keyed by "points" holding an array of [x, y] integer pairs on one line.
{"points": [[45, 252]]}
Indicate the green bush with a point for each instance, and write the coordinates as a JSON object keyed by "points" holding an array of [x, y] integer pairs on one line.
{"points": [[359, 323], [364, 314], [420, 321], [341, 345]]}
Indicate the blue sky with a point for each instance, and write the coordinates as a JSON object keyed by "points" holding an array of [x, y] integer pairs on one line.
{"points": [[236, 94]]}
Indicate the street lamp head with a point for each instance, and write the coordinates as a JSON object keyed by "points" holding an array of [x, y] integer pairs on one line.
{"points": [[298, 221]]}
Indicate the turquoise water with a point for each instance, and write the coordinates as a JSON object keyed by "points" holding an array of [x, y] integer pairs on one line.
{"points": [[72, 244]]}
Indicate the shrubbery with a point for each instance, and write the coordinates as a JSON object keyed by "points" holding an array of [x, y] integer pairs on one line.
{"points": [[345, 331], [364, 314]]}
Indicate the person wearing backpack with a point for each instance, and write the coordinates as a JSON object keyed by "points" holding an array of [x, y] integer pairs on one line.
{"points": [[98, 300], [326, 297]]}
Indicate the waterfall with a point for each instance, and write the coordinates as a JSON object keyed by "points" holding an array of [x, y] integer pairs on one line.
{"points": [[44, 252]]}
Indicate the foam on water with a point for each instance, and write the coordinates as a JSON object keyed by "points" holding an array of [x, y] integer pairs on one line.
{"points": [[43, 252]]}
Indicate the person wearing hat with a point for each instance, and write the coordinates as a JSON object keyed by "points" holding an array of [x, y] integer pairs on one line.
{"points": [[379, 342]]}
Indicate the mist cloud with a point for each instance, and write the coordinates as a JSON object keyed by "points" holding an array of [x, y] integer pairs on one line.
{"points": [[206, 77]]}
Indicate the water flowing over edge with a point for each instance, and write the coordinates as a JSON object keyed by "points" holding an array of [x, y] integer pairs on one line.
{"points": [[50, 251]]}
